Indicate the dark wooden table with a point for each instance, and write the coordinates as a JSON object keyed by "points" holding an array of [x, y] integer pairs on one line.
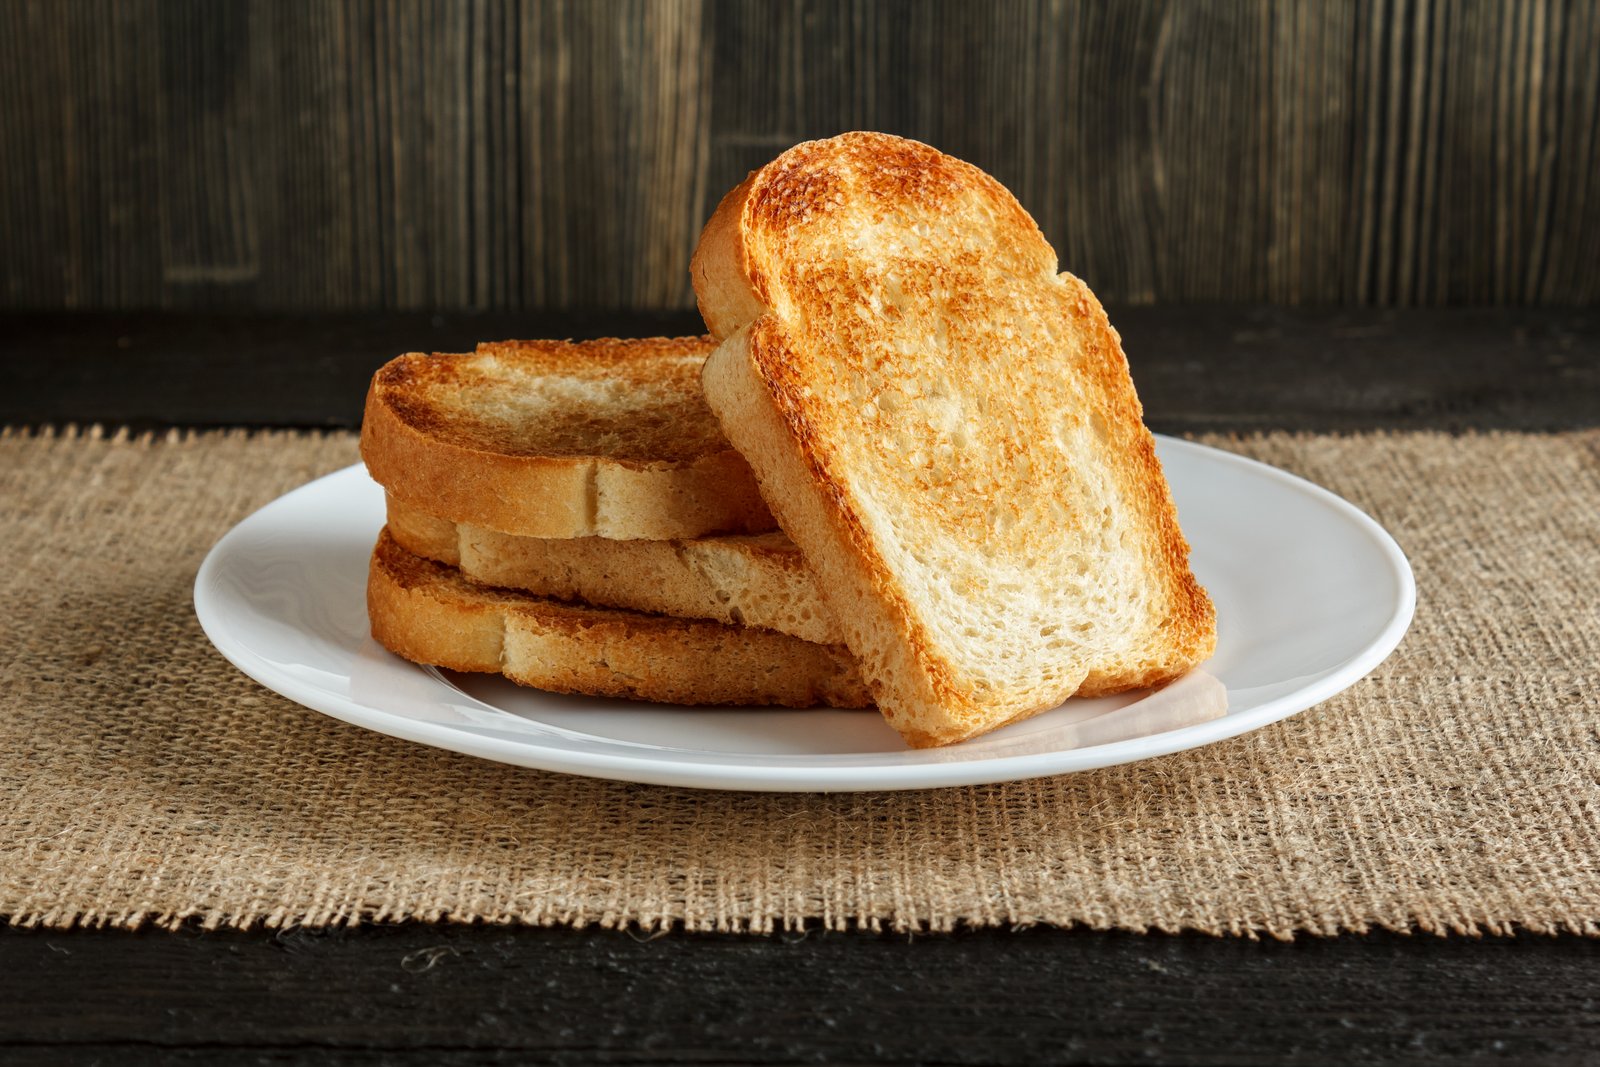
{"points": [[419, 993]]}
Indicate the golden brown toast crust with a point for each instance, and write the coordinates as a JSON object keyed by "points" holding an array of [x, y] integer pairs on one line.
{"points": [[607, 438], [740, 579], [691, 579], [908, 376], [1189, 629], [428, 613]]}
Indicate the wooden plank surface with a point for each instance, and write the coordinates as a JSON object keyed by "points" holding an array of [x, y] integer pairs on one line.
{"points": [[453, 994], [513, 154], [1197, 369]]}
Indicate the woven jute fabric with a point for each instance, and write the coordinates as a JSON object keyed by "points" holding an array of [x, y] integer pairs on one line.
{"points": [[144, 780]]}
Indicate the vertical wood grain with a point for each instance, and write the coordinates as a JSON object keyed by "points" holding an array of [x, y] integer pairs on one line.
{"points": [[208, 223], [613, 101], [285, 154], [79, 215]]}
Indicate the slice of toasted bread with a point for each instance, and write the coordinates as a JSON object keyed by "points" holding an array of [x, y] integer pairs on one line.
{"points": [[428, 613], [741, 579], [946, 427], [561, 439]]}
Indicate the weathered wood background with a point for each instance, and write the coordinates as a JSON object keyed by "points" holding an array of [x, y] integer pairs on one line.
{"points": [[293, 154]]}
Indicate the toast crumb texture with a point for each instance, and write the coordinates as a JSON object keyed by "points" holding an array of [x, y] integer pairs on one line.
{"points": [[428, 613], [946, 426], [608, 438], [739, 579]]}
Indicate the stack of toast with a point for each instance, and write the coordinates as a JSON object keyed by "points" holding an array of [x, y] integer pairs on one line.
{"points": [[907, 469], [560, 513]]}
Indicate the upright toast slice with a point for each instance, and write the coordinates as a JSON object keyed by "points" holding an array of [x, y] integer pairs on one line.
{"points": [[428, 613], [607, 438], [947, 428]]}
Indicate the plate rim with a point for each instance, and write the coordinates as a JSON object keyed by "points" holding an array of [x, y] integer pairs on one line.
{"points": [[686, 773]]}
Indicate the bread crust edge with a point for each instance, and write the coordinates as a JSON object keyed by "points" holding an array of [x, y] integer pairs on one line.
{"points": [[558, 496], [427, 613]]}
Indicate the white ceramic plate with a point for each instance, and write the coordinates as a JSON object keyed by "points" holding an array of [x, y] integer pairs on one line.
{"points": [[1311, 595]]}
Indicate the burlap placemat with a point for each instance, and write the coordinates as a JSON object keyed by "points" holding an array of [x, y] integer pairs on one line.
{"points": [[142, 779]]}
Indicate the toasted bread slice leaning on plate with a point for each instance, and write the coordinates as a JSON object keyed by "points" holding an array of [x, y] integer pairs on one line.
{"points": [[945, 425]]}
